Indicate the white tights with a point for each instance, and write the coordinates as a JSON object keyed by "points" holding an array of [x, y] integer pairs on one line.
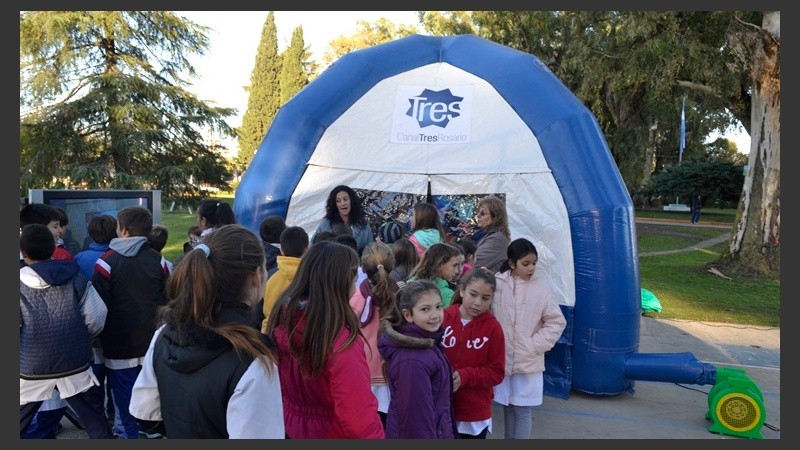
{"points": [[518, 421]]}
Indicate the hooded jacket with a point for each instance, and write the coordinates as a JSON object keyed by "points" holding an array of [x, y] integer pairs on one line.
{"points": [[59, 314], [277, 283], [338, 404], [87, 258], [130, 279], [532, 321], [420, 383], [423, 239], [477, 352], [201, 388]]}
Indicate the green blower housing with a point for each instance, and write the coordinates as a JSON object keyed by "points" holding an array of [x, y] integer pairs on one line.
{"points": [[736, 405]]}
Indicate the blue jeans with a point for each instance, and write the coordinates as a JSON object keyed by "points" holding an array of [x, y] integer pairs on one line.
{"points": [[101, 372], [121, 381], [87, 405], [43, 425]]}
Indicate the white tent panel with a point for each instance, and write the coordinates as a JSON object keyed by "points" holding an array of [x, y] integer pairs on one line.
{"points": [[500, 142], [536, 211]]}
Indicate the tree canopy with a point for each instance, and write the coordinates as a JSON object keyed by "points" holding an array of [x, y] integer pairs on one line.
{"points": [[366, 35], [104, 104]]}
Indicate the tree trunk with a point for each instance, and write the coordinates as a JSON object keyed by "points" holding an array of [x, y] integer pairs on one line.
{"points": [[755, 243], [650, 154]]}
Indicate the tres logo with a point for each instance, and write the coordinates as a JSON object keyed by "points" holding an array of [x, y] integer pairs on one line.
{"points": [[434, 108]]}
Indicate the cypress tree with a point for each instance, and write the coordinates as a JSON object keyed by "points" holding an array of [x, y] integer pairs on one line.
{"points": [[264, 93], [295, 70]]}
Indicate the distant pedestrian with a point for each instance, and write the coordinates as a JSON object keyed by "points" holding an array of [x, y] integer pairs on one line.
{"points": [[293, 245], [440, 264], [346, 207], [427, 227], [194, 238], [158, 240], [405, 259], [696, 206], [212, 214]]}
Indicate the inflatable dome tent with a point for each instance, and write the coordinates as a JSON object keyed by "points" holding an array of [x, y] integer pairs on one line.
{"points": [[455, 118]]}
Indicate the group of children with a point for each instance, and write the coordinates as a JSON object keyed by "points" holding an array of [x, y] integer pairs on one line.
{"points": [[406, 328], [117, 283], [487, 346]]}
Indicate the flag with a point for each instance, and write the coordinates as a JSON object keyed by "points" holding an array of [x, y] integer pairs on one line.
{"points": [[683, 129]]}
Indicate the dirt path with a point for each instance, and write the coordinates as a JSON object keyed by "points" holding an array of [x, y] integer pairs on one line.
{"points": [[703, 244]]}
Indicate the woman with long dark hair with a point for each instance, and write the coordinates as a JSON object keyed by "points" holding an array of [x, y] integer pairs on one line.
{"points": [[344, 206]]}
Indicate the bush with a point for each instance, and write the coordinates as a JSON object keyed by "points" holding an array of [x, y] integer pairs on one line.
{"points": [[718, 182]]}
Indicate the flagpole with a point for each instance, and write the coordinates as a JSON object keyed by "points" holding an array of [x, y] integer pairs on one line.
{"points": [[683, 131], [682, 143]]}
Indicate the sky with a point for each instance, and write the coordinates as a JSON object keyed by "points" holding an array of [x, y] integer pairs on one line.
{"points": [[225, 69]]}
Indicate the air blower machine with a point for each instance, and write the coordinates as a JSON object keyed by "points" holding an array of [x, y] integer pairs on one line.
{"points": [[736, 405]]}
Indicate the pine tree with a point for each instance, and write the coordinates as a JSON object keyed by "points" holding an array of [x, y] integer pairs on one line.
{"points": [[264, 94], [103, 104], [296, 66]]}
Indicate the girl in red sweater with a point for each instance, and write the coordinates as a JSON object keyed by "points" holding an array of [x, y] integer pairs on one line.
{"points": [[474, 344]]}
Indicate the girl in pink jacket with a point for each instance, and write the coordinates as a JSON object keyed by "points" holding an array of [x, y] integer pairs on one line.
{"points": [[372, 301], [324, 376], [532, 323]]}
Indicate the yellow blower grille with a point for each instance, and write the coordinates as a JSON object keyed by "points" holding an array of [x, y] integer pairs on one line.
{"points": [[735, 405]]}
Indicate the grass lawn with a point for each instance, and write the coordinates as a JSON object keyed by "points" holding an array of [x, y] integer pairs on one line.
{"points": [[706, 215], [688, 291], [681, 282], [178, 224]]}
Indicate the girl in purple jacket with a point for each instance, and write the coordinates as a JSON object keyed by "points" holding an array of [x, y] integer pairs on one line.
{"points": [[420, 378]]}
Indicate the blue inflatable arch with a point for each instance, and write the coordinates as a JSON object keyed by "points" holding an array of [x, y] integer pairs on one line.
{"points": [[603, 311]]}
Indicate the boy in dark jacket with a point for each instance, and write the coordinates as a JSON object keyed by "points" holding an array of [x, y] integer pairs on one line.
{"points": [[131, 281], [60, 312], [270, 231], [46, 423]]}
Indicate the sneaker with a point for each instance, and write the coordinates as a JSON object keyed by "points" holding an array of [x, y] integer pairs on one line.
{"points": [[149, 434], [146, 435]]}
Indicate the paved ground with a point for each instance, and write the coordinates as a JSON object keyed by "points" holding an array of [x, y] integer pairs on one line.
{"points": [[659, 410]]}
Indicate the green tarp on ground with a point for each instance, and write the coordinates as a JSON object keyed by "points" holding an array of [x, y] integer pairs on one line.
{"points": [[650, 302]]}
